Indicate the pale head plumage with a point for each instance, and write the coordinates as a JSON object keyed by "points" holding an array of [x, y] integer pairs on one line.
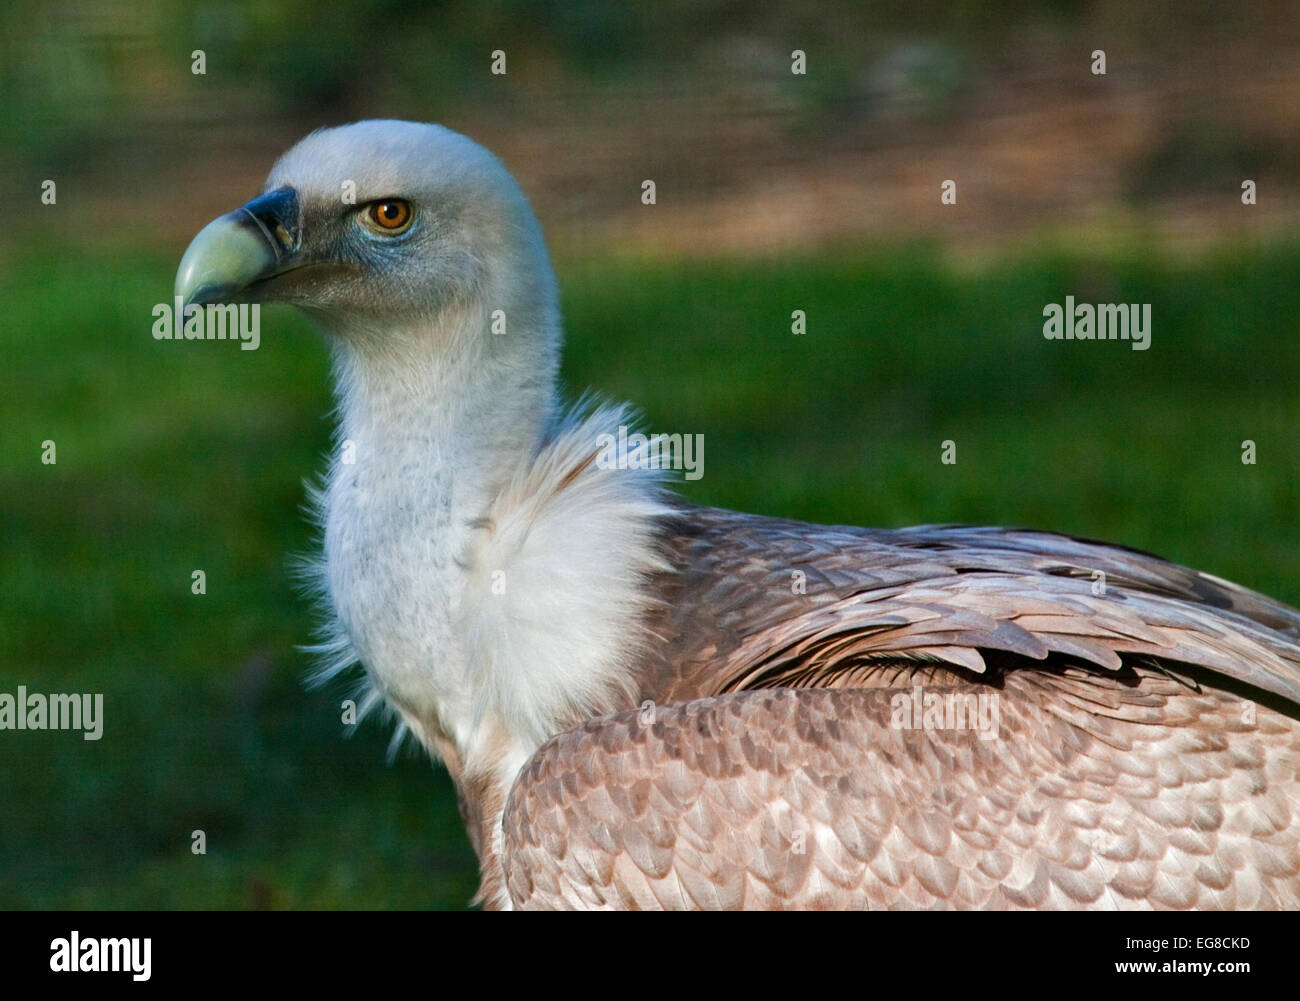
{"points": [[474, 237]]}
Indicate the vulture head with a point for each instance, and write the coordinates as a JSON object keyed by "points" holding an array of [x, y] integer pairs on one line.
{"points": [[399, 238]]}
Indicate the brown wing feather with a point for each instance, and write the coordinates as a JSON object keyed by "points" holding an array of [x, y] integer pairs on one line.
{"points": [[762, 602], [1088, 797], [1120, 777]]}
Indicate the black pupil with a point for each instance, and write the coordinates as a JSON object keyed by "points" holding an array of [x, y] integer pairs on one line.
{"points": [[390, 210]]}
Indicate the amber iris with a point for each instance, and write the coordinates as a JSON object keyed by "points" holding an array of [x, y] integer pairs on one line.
{"points": [[391, 215]]}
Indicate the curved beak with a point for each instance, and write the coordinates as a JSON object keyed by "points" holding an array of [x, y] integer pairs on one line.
{"points": [[251, 244]]}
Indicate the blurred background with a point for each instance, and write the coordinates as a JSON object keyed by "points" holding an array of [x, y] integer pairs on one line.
{"points": [[775, 192]]}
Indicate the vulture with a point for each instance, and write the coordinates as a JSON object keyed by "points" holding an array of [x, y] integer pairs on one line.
{"points": [[647, 704]]}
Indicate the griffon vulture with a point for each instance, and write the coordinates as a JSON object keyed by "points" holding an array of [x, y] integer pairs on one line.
{"points": [[637, 707]]}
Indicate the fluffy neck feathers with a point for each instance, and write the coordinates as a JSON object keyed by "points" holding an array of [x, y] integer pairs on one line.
{"points": [[481, 564]]}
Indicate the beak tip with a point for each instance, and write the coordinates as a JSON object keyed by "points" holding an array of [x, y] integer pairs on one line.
{"points": [[201, 296], [236, 249]]}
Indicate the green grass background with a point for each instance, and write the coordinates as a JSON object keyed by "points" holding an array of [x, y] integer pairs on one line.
{"points": [[173, 457]]}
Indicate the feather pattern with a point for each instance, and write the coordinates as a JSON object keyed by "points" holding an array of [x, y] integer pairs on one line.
{"points": [[1131, 766]]}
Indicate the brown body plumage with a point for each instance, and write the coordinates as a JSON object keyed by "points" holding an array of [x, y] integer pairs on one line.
{"points": [[770, 772]]}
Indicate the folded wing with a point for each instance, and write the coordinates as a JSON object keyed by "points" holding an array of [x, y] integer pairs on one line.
{"points": [[817, 732]]}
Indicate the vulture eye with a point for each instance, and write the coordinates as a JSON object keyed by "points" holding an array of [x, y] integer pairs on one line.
{"points": [[390, 217]]}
